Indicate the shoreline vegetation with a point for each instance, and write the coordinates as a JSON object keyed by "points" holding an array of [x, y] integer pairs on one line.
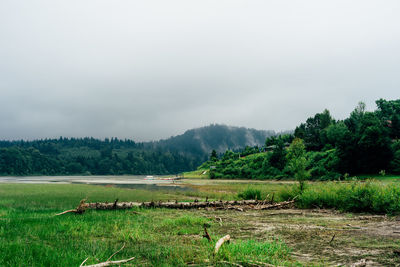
{"points": [[365, 143], [32, 235], [298, 200]]}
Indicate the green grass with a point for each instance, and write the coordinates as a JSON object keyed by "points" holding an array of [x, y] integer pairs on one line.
{"points": [[356, 196], [251, 251], [250, 193], [30, 234], [197, 174], [385, 178], [230, 189]]}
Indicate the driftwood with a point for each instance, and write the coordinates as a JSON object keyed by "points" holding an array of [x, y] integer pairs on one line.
{"points": [[277, 205], [231, 263], [250, 204], [360, 263], [108, 262], [170, 205], [220, 242], [234, 205], [258, 264], [79, 210], [238, 264]]}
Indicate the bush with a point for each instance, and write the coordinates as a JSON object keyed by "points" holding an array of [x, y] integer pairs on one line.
{"points": [[289, 192], [211, 174], [395, 163], [354, 196], [324, 165], [250, 193]]}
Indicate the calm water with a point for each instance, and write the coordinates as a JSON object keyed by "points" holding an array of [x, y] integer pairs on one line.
{"points": [[131, 181]]}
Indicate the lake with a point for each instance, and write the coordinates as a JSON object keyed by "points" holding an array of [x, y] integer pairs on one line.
{"points": [[129, 181]]}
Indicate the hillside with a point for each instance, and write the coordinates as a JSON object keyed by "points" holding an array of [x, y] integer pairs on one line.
{"points": [[69, 156], [367, 142], [199, 142]]}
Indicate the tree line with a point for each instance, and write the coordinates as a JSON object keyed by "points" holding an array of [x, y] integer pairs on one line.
{"points": [[67, 156], [367, 142]]}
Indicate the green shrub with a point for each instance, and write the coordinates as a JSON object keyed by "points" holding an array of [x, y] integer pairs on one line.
{"points": [[289, 192], [211, 174], [324, 164], [250, 193], [395, 163]]}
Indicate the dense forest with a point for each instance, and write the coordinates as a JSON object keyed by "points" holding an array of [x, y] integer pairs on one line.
{"points": [[364, 143], [87, 156], [68, 156]]}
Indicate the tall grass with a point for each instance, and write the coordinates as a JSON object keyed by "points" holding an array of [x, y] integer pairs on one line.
{"points": [[250, 193], [251, 251], [355, 196], [30, 234]]}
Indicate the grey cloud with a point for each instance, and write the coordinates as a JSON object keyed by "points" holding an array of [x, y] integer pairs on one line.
{"points": [[151, 69]]}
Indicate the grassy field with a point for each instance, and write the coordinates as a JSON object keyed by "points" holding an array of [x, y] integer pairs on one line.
{"points": [[197, 174], [30, 234]]}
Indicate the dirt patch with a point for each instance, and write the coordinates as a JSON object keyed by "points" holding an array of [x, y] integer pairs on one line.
{"points": [[320, 237]]}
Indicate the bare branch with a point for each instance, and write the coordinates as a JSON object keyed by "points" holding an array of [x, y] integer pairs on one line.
{"points": [[64, 212], [79, 210], [220, 242], [83, 262], [109, 263], [231, 263], [206, 234], [116, 252]]}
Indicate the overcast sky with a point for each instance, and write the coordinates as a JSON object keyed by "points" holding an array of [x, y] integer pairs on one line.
{"points": [[151, 69]]}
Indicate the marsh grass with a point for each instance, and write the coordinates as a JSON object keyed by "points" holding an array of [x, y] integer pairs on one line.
{"points": [[356, 196], [227, 190], [250, 193], [30, 234], [248, 251]]}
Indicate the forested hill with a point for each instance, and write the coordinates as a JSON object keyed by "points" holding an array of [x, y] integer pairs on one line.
{"points": [[367, 142], [201, 141], [67, 156]]}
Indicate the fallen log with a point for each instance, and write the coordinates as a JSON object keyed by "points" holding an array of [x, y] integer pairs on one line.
{"points": [[283, 204], [189, 205], [170, 205], [234, 205]]}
